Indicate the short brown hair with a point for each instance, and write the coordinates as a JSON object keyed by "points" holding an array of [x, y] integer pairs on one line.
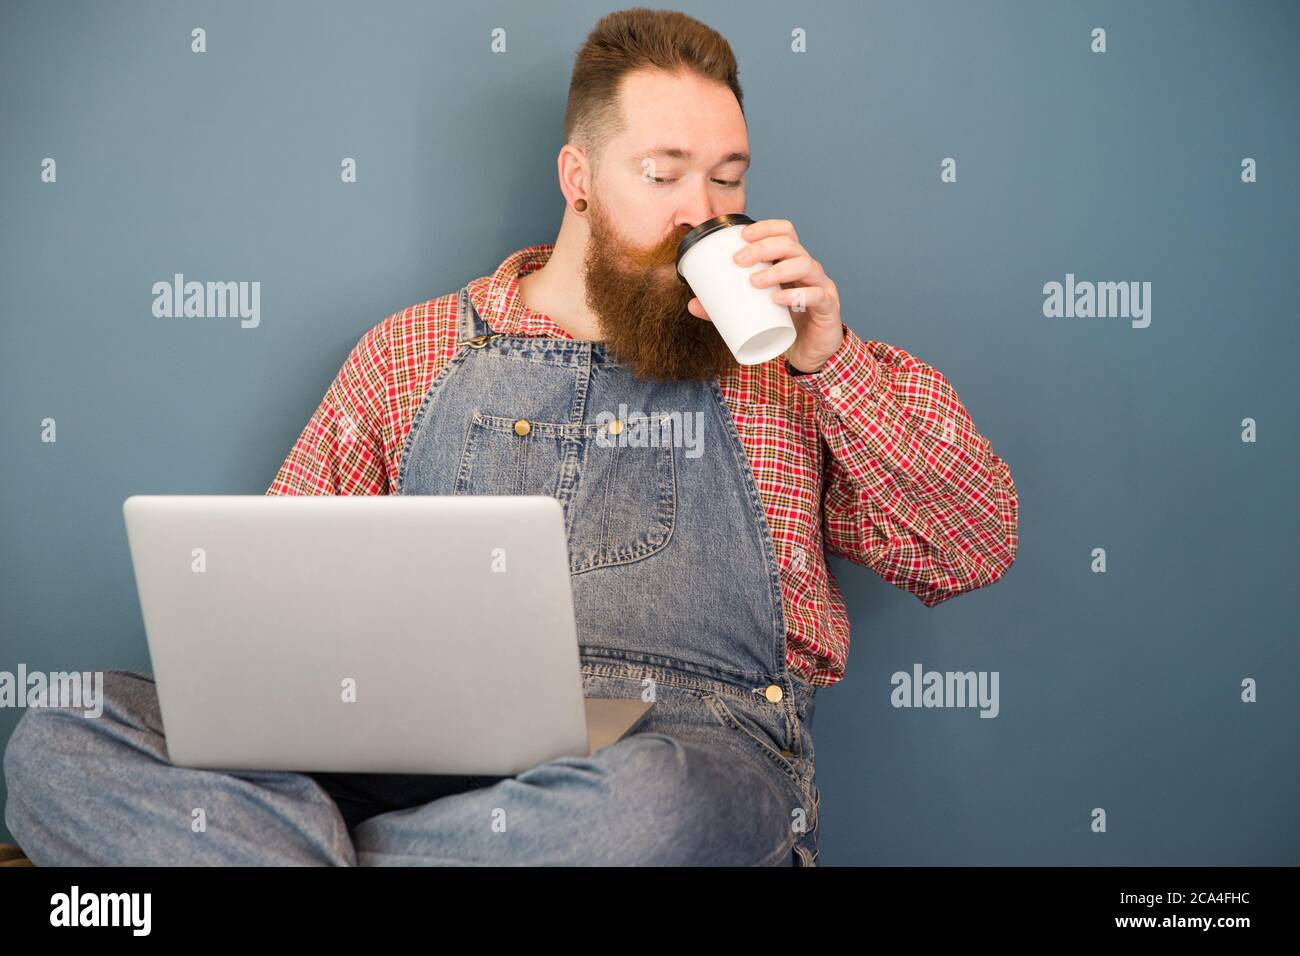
{"points": [[628, 40]]}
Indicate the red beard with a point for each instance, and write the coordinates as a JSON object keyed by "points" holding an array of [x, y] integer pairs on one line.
{"points": [[641, 307]]}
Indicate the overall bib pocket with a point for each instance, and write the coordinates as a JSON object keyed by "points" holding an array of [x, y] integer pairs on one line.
{"points": [[514, 456], [619, 492]]}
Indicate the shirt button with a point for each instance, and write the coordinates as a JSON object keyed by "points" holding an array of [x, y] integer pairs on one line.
{"points": [[835, 391], [615, 427], [773, 693], [522, 427]]}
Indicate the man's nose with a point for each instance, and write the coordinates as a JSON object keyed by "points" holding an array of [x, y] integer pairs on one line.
{"points": [[698, 216], [699, 208]]}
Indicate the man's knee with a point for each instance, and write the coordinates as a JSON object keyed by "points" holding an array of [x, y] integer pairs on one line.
{"points": [[41, 734], [690, 804], [18, 749], [36, 742], [50, 739]]}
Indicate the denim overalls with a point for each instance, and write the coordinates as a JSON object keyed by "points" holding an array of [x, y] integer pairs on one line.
{"points": [[672, 565], [675, 589]]}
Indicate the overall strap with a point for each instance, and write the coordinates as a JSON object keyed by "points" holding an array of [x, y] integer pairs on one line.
{"points": [[471, 324]]}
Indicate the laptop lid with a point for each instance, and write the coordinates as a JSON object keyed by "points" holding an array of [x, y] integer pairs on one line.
{"points": [[388, 634]]}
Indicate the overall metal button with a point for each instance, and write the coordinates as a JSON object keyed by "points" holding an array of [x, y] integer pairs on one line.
{"points": [[478, 341], [616, 426], [774, 693], [522, 427]]}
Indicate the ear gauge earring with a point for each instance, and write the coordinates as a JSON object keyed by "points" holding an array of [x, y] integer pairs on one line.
{"points": [[580, 205]]}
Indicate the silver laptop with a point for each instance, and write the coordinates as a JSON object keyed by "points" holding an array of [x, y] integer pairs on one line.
{"points": [[380, 634]]}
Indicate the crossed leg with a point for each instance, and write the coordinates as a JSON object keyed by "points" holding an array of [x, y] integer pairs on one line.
{"points": [[101, 791], [651, 799]]}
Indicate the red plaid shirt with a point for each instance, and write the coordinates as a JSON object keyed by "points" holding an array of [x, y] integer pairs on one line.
{"points": [[872, 458]]}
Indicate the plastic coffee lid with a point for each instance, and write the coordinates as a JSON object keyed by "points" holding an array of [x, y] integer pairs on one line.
{"points": [[704, 229]]}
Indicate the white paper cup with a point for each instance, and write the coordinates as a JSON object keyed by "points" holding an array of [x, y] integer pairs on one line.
{"points": [[754, 327]]}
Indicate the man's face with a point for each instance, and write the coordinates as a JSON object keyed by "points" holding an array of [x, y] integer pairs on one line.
{"points": [[636, 223]]}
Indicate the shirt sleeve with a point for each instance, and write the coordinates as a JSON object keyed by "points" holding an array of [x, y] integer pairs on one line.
{"points": [[911, 489], [341, 450]]}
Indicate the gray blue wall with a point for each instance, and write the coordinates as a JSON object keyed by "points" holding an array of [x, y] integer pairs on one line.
{"points": [[1119, 690]]}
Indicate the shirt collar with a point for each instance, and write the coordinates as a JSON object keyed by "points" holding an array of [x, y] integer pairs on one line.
{"points": [[497, 298]]}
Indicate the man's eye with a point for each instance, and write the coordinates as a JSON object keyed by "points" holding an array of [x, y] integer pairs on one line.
{"points": [[729, 183]]}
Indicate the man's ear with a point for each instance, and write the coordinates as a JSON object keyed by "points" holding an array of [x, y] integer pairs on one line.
{"points": [[574, 172]]}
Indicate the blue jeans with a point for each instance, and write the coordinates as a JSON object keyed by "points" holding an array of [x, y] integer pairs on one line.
{"points": [[700, 783]]}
